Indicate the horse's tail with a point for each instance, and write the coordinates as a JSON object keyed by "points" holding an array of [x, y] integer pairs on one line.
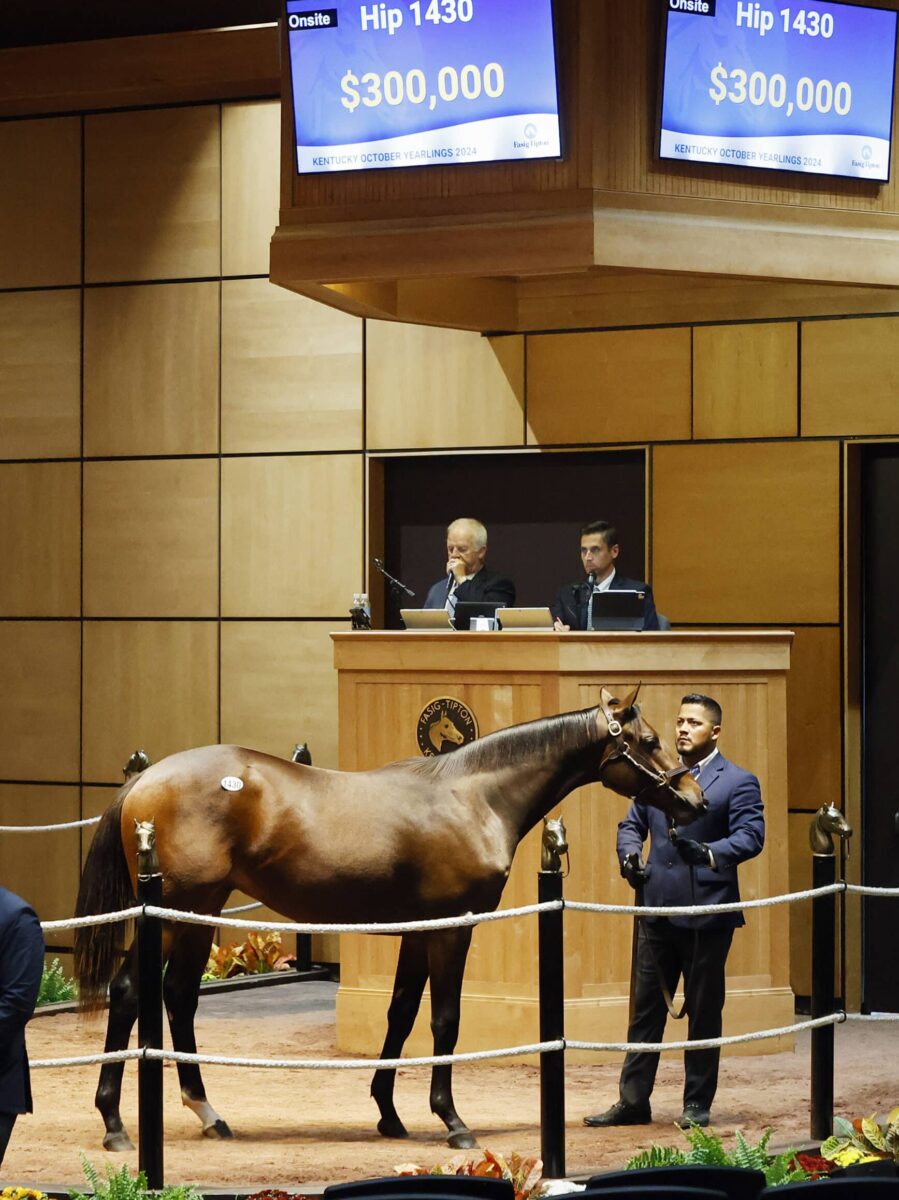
{"points": [[105, 887]]}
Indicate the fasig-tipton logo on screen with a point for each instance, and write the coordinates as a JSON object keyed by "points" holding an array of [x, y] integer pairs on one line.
{"points": [[422, 82]]}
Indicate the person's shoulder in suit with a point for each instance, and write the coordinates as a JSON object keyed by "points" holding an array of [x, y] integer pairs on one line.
{"points": [[489, 586], [436, 597]]}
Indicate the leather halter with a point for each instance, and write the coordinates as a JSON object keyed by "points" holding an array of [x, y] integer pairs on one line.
{"points": [[620, 751]]}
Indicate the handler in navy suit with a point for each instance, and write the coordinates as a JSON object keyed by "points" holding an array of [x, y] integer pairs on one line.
{"points": [[21, 966], [467, 578], [599, 550], [699, 869]]}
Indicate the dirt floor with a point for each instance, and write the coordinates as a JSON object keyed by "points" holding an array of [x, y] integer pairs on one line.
{"points": [[296, 1130]]}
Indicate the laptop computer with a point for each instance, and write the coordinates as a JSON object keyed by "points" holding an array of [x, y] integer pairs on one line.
{"points": [[618, 610], [466, 609], [525, 618], [426, 618]]}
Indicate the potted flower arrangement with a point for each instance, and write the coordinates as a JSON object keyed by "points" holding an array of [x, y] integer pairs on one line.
{"points": [[864, 1146]]}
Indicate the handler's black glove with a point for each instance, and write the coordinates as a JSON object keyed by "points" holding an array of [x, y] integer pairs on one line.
{"points": [[697, 854], [634, 870]]}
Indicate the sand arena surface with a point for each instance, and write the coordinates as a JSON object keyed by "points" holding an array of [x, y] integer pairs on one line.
{"points": [[296, 1129]]}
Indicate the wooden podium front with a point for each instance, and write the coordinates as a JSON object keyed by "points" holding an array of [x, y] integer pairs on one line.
{"points": [[386, 679]]}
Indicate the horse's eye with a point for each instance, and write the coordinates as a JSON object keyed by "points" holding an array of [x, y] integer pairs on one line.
{"points": [[650, 743]]}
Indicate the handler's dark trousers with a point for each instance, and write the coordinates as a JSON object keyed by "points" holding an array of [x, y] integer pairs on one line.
{"points": [[678, 951], [7, 1120]]}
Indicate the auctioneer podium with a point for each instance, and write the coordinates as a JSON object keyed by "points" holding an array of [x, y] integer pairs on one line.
{"points": [[387, 680]]}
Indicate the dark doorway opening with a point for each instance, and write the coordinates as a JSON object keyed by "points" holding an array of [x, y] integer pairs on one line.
{"points": [[532, 504], [880, 708]]}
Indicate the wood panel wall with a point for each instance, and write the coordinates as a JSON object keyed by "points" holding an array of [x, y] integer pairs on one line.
{"points": [[185, 450]]}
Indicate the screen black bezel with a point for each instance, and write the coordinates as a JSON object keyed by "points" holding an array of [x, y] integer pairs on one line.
{"points": [[549, 158], [692, 162]]}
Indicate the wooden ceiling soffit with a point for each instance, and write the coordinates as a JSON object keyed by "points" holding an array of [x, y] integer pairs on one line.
{"points": [[712, 237], [169, 68]]}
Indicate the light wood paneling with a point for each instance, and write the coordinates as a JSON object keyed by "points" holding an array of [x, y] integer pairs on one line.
{"points": [[150, 538], [813, 719], [850, 377], [442, 387], [291, 371], [40, 374], [151, 369], [152, 194], [746, 532], [94, 803], [623, 386], [40, 708], [251, 156], [291, 535], [279, 687], [148, 685], [40, 539], [42, 868], [744, 381], [40, 202]]}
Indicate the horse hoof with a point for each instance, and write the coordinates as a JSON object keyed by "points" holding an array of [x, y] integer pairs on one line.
{"points": [[392, 1127], [463, 1140], [118, 1143], [218, 1129]]}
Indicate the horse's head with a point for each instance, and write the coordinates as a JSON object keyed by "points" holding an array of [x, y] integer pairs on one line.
{"points": [[828, 822], [635, 762], [554, 844], [444, 730]]}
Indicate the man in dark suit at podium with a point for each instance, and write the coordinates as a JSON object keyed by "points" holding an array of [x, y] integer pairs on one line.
{"points": [[467, 578], [697, 868], [599, 551], [21, 967]]}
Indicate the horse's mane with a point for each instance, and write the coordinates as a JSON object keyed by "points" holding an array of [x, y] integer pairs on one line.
{"points": [[548, 737]]}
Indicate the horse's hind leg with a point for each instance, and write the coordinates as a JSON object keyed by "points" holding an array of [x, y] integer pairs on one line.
{"points": [[447, 952], [122, 1015], [187, 958], [411, 975]]}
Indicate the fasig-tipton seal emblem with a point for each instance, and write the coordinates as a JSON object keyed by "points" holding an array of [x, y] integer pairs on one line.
{"points": [[445, 724]]}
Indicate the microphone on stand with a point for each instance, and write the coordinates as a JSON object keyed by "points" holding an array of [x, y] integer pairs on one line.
{"points": [[396, 584], [591, 583], [450, 580]]}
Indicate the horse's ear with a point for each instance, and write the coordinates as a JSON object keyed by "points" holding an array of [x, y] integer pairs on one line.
{"points": [[631, 698], [613, 704]]}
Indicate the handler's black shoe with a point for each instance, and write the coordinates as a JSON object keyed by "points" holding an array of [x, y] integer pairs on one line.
{"points": [[621, 1114], [693, 1114]]}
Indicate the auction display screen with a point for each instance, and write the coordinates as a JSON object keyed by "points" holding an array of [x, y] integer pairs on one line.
{"points": [[780, 86], [387, 84]]}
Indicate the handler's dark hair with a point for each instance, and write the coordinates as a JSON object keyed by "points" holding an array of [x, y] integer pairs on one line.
{"points": [[712, 707], [607, 532]]}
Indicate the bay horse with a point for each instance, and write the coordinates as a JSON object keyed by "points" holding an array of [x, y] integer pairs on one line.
{"points": [[421, 838]]}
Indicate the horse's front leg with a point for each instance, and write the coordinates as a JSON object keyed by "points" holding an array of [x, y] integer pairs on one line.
{"points": [[122, 1015], [187, 958], [447, 952], [411, 976]]}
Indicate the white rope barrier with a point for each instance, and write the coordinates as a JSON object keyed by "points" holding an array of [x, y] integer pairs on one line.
{"points": [[860, 889], [430, 1060], [126, 914], [468, 919], [48, 828]]}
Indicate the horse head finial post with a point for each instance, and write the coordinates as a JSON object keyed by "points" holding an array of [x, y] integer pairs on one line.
{"points": [[554, 845], [828, 820], [139, 761], [147, 859]]}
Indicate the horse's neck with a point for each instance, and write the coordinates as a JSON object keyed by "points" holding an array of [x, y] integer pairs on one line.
{"points": [[526, 771]]}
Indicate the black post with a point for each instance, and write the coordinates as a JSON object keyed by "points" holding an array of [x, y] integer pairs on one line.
{"points": [[149, 1026], [823, 959], [552, 1027]]}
